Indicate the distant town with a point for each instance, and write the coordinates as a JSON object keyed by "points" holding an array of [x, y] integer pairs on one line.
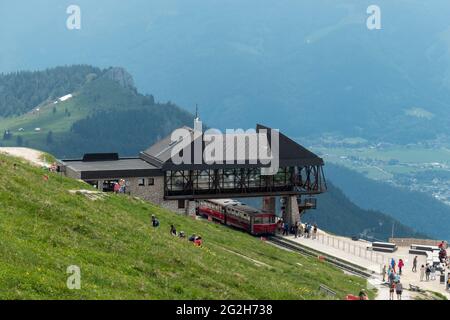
{"points": [[423, 167]]}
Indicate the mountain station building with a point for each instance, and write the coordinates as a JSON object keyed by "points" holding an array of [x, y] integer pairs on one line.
{"points": [[153, 175]]}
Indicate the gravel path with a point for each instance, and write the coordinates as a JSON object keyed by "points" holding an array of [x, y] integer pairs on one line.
{"points": [[31, 155]]}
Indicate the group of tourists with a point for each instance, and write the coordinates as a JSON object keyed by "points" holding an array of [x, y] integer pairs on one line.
{"points": [[428, 272], [195, 239], [393, 273], [298, 229], [120, 187]]}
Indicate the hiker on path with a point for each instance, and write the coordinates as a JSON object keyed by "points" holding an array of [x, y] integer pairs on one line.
{"points": [[399, 290], [400, 266], [414, 268], [422, 272]]}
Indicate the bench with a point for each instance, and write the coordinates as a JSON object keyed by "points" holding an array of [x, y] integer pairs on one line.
{"points": [[424, 247], [418, 252], [384, 247]]}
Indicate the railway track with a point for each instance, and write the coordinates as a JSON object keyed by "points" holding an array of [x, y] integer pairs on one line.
{"points": [[339, 263]]}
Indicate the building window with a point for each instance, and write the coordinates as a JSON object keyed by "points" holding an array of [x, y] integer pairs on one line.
{"points": [[181, 204], [151, 181], [141, 182]]}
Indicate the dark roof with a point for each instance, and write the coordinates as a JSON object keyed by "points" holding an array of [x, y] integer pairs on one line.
{"points": [[290, 154], [122, 168], [160, 152], [157, 159]]}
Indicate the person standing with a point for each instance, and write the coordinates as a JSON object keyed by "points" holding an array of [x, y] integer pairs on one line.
{"points": [[296, 229], [414, 268], [427, 272], [391, 275], [400, 266], [422, 272], [399, 290], [384, 273], [393, 264], [285, 229], [391, 291], [433, 273], [280, 226]]}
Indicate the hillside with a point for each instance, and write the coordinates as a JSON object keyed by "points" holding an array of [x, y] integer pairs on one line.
{"points": [[337, 214], [414, 209], [105, 113], [45, 229], [23, 91]]}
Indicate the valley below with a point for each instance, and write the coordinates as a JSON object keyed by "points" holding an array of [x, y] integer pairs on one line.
{"points": [[422, 167]]}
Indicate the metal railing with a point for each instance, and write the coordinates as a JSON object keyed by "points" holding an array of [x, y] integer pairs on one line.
{"points": [[357, 250]]}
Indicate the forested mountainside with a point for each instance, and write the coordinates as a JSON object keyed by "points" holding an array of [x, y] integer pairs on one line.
{"points": [[104, 113]]}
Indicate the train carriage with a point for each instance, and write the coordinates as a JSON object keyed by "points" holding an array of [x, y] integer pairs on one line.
{"points": [[239, 215]]}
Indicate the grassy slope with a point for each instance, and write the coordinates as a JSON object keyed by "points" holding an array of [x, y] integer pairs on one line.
{"points": [[59, 122], [44, 229]]}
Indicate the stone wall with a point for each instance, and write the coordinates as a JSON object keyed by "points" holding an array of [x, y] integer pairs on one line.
{"points": [[406, 242], [153, 193]]}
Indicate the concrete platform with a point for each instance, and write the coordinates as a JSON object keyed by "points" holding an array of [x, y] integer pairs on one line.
{"points": [[348, 250]]}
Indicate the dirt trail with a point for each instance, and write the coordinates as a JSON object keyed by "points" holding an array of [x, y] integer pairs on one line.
{"points": [[31, 155]]}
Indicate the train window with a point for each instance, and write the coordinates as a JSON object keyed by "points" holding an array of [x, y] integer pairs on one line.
{"points": [[264, 220]]}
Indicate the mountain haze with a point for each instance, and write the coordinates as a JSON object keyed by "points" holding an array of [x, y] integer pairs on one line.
{"points": [[307, 67]]}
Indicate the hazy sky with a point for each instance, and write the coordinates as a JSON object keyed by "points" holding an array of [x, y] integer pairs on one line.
{"points": [[231, 54]]}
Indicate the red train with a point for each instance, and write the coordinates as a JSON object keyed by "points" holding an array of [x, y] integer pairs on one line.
{"points": [[239, 215]]}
